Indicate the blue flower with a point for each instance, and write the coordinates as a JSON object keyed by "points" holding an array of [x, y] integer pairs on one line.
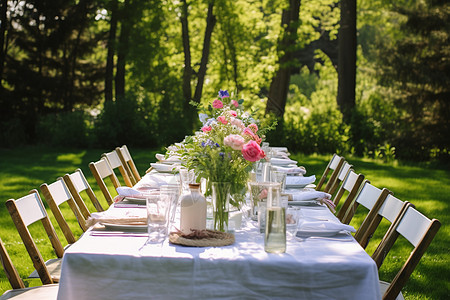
{"points": [[222, 155], [210, 122], [217, 145], [203, 144], [203, 118], [223, 94]]}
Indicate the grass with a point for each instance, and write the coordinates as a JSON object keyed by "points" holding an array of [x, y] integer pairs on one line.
{"points": [[426, 187]]}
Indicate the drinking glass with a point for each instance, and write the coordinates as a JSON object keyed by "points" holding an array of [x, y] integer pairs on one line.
{"points": [[170, 192], [186, 177], [158, 210], [292, 218], [260, 193], [280, 177]]}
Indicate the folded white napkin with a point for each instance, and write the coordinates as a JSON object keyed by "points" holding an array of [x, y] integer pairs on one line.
{"points": [[171, 159], [309, 195], [306, 224], [290, 170], [282, 161], [123, 216], [128, 192], [280, 154], [280, 149], [300, 180]]}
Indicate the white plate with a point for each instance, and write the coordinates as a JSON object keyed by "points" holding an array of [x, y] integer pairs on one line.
{"points": [[324, 232], [124, 227]]}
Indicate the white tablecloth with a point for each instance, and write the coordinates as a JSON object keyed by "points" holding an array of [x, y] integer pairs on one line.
{"points": [[117, 267]]}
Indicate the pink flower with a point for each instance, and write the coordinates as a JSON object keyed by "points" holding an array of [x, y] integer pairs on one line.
{"points": [[252, 152], [206, 128], [247, 131], [253, 127], [217, 103], [234, 141], [236, 122], [222, 120], [235, 103], [233, 113]]}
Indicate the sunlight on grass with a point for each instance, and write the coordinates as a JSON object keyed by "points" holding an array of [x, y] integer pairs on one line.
{"points": [[428, 189]]}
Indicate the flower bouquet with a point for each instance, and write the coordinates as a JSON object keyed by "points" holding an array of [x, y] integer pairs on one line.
{"points": [[223, 151]]}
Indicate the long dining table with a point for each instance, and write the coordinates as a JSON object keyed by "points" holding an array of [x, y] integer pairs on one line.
{"points": [[121, 265]]}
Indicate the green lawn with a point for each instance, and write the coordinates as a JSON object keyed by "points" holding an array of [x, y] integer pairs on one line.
{"points": [[427, 188]]}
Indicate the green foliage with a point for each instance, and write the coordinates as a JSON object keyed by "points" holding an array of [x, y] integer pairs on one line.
{"points": [[66, 129]]}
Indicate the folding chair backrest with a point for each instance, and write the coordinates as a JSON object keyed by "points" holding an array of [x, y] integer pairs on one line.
{"points": [[128, 163], [334, 165], [419, 231], [370, 197], [116, 163], [77, 183], [352, 183], [392, 209], [346, 167], [11, 272], [101, 170], [56, 194], [26, 211]]}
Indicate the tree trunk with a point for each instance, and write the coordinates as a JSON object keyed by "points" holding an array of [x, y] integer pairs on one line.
{"points": [[187, 73], [124, 39], [210, 23], [3, 22], [280, 83], [347, 59], [111, 51]]}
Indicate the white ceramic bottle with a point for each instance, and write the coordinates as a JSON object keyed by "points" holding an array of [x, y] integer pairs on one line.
{"points": [[193, 210]]}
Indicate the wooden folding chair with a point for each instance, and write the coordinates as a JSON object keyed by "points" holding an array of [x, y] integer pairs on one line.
{"points": [[56, 194], [352, 184], [419, 231], [346, 167], [24, 212], [101, 170], [45, 292], [371, 198], [392, 209], [128, 163], [116, 163], [335, 166], [77, 183]]}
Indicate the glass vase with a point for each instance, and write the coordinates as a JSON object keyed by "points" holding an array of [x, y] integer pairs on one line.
{"points": [[221, 203]]}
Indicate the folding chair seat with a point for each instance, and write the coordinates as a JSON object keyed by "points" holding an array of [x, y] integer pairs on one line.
{"points": [[419, 231], [116, 163], [335, 166], [101, 170], [29, 210], [77, 183], [45, 292], [56, 194], [346, 168], [351, 185], [391, 210], [128, 163]]}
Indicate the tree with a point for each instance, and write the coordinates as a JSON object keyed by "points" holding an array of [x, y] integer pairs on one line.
{"points": [[347, 59], [417, 66], [280, 83], [111, 50]]}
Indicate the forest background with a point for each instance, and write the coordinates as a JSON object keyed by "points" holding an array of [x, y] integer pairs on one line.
{"points": [[101, 73]]}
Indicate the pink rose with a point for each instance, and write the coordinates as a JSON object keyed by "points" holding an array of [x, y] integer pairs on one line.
{"points": [[252, 152], [234, 141], [217, 103], [253, 127], [235, 103], [206, 128], [233, 113], [222, 120]]}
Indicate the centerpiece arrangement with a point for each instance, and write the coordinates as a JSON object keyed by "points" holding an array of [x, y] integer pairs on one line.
{"points": [[223, 152]]}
